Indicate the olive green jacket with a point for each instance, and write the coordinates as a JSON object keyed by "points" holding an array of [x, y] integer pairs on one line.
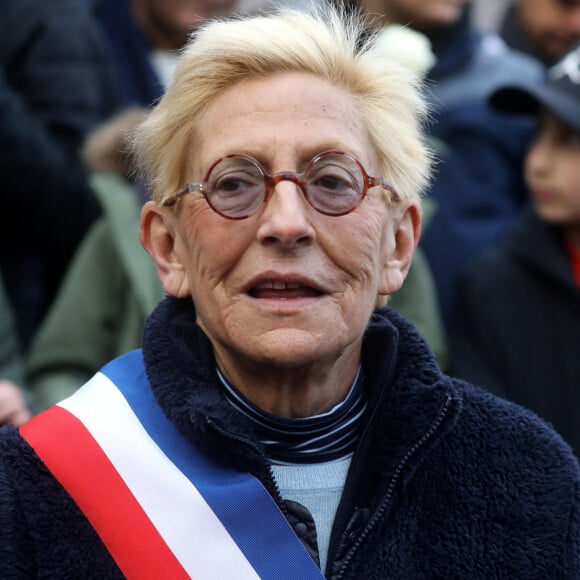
{"points": [[107, 293], [417, 300]]}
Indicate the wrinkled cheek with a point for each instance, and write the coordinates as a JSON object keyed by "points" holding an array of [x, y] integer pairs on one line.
{"points": [[210, 259], [356, 310], [207, 284], [362, 277], [216, 314], [363, 264]]}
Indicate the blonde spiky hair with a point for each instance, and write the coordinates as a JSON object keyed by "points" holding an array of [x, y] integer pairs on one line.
{"points": [[327, 43]]}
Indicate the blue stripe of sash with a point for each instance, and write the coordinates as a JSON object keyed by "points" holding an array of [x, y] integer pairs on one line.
{"points": [[239, 500]]}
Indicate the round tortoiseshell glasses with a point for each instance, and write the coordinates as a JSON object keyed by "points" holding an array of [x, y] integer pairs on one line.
{"points": [[334, 183]]}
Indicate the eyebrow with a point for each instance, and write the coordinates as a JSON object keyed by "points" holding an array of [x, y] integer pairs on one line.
{"points": [[304, 158]]}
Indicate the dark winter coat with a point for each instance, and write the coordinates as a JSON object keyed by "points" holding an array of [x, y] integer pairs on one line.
{"points": [[478, 186], [447, 481], [137, 84], [55, 86], [79, 336], [517, 326]]}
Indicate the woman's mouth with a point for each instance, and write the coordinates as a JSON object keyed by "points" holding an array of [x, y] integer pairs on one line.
{"points": [[279, 290]]}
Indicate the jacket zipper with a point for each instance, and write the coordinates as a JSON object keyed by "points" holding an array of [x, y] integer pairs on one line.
{"points": [[386, 504], [272, 480]]}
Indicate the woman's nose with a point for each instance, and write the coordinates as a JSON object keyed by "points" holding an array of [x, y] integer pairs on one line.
{"points": [[286, 217]]}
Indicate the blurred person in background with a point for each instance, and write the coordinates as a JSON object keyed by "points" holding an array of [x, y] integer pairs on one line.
{"points": [[144, 37], [544, 29], [111, 285], [55, 86], [477, 189], [517, 329]]}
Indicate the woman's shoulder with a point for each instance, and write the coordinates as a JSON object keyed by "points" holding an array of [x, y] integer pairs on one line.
{"points": [[38, 519], [509, 482], [14, 451], [19, 466], [512, 435], [16, 553]]}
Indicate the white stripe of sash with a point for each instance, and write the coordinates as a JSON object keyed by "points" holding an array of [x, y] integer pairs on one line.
{"points": [[174, 505]]}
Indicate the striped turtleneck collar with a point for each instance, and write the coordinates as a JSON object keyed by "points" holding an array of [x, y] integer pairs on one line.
{"points": [[331, 436]]}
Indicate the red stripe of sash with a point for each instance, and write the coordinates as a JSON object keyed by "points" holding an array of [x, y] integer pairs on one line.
{"points": [[82, 468]]}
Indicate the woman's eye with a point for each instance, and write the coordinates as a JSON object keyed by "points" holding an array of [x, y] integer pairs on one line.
{"points": [[231, 185], [236, 183], [331, 182]]}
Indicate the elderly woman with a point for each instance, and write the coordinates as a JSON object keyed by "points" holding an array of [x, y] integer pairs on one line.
{"points": [[272, 425]]}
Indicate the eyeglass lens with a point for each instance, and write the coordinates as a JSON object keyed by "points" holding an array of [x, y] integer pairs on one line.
{"points": [[333, 184]]}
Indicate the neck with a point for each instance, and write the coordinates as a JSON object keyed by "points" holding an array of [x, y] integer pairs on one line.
{"points": [[294, 392]]}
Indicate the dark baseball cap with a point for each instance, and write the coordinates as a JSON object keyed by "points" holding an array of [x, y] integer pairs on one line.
{"points": [[559, 92]]}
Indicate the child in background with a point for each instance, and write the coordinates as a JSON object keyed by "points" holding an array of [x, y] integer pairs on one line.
{"points": [[517, 331], [478, 190]]}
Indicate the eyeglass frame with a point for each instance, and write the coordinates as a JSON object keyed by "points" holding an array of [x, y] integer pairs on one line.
{"points": [[272, 180]]}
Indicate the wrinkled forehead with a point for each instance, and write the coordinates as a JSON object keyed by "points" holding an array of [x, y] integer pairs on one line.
{"points": [[283, 119]]}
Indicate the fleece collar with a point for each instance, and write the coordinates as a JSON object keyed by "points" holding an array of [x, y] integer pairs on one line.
{"points": [[405, 388]]}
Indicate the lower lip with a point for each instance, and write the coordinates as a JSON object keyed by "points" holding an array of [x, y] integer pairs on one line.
{"points": [[286, 304]]}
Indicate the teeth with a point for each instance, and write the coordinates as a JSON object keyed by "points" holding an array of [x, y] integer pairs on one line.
{"points": [[277, 285]]}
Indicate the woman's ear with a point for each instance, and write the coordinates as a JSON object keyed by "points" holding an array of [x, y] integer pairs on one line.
{"points": [[406, 225], [158, 236]]}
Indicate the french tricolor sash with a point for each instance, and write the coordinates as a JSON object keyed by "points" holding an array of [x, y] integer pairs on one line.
{"points": [[161, 508]]}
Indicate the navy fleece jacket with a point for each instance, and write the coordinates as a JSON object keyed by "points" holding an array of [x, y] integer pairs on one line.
{"points": [[448, 481]]}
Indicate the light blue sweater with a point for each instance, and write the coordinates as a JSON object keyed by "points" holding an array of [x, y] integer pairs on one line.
{"points": [[318, 487]]}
